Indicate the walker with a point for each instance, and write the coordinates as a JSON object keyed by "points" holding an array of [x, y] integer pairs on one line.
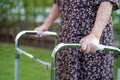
{"points": [[54, 52], [21, 51]]}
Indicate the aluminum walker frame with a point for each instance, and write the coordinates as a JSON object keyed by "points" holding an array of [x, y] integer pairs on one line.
{"points": [[54, 52], [21, 51], [74, 45]]}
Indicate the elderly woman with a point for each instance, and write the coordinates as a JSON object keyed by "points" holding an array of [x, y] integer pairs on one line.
{"points": [[89, 23]]}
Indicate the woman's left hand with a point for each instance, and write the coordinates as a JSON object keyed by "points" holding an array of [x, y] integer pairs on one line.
{"points": [[89, 44]]}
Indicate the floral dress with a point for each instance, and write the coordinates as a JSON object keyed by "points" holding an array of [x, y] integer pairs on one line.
{"points": [[77, 20]]}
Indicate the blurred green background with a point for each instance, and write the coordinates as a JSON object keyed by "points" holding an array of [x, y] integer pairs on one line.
{"points": [[18, 15]]}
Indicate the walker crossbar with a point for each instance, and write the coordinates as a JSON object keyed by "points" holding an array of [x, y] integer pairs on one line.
{"points": [[21, 51], [72, 45], [46, 64]]}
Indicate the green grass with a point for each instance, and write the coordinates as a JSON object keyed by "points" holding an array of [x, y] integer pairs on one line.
{"points": [[28, 69]]}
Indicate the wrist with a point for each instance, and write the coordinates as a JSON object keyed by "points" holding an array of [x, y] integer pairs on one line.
{"points": [[46, 26], [97, 35]]}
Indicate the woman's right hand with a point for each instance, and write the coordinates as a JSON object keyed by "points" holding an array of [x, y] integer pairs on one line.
{"points": [[41, 29]]}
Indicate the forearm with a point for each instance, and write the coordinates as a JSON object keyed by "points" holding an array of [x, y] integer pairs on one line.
{"points": [[54, 14], [102, 18]]}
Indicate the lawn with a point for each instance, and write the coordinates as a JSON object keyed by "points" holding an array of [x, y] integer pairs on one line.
{"points": [[28, 69]]}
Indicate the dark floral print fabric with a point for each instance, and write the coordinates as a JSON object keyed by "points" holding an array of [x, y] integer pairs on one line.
{"points": [[77, 20]]}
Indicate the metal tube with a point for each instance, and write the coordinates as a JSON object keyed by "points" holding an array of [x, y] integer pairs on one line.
{"points": [[46, 33], [109, 48], [72, 45], [18, 50], [118, 74], [55, 53], [16, 67], [46, 64]]}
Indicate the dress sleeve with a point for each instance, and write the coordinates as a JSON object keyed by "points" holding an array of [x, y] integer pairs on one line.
{"points": [[114, 2]]}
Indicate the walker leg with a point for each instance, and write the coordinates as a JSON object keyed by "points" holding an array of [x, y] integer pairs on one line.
{"points": [[16, 66], [118, 74]]}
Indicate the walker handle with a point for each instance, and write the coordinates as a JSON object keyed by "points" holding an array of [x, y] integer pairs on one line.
{"points": [[108, 48], [76, 45], [46, 33]]}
